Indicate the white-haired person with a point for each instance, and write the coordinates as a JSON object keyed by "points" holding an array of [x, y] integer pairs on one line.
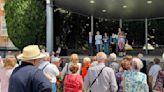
{"points": [[50, 70], [74, 59], [56, 61], [134, 80], [144, 69], [100, 78], [112, 63], [86, 65], [6, 71]]}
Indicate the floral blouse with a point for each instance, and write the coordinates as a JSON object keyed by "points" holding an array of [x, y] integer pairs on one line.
{"points": [[135, 81]]}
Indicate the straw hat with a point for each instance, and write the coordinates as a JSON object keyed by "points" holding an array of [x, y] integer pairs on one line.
{"points": [[31, 52]]}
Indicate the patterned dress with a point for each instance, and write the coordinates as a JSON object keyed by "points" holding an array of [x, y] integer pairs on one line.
{"points": [[119, 78], [159, 85], [135, 81]]}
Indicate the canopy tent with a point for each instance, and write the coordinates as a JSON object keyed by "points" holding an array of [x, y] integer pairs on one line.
{"points": [[115, 9], [111, 9]]}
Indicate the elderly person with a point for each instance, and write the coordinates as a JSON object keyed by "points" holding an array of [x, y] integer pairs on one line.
{"points": [[153, 72], [27, 77], [125, 65], [134, 80], [112, 63], [144, 69], [74, 59], [50, 70], [73, 82], [6, 71], [56, 61], [86, 65], [100, 78]]}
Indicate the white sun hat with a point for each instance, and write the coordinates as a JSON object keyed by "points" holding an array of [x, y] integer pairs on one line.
{"points": [[31, 52]]}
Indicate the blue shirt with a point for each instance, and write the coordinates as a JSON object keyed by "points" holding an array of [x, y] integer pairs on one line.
{"points": [[27, 78]]}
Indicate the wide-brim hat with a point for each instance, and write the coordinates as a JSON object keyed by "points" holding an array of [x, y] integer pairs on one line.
{"points": [[31, 52]]}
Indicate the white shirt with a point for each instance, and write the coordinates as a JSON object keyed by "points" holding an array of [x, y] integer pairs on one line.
{"points": [[67, 66], [50, 69], [98, 39], [154, 71]]}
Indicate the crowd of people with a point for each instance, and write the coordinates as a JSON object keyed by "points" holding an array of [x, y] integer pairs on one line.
{"points": [[38, 71], [117, 42]]}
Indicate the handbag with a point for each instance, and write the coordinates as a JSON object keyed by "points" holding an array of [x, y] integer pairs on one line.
{"points": [[95, 79]]}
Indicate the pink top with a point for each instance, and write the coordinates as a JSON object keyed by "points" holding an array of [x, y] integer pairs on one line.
{"points": [[4, 79], [73, 83]]}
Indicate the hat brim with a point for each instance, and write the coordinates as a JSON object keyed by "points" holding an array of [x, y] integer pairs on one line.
{"points": [[20, 57]]}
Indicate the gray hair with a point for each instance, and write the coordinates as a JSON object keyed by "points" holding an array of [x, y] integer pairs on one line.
{"points": [[112, 57], [137, 64], [86, 59]]}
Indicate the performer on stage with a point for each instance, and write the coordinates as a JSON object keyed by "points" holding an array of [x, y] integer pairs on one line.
{"points": [[90, 43], [106, 43], [121, 42], [98, 42], [113, 42]]}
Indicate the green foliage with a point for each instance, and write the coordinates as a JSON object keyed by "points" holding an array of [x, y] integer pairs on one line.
{"points": [[26, 21]]}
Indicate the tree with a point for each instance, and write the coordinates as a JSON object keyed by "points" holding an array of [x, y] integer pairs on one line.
{"points": [[26, 22]]}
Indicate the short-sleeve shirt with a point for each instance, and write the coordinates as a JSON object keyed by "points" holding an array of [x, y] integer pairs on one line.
{"points": [[27, 78]]}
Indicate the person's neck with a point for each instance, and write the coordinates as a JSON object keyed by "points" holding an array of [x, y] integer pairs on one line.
{"points": [[100, 62], [74, 74], [30, 62], [9, 67]]}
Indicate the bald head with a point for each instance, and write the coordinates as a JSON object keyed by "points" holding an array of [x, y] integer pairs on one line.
{"points": [[101, 57]]}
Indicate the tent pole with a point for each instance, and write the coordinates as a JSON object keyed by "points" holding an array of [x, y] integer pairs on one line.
{"points": [[92, 24], [49, 26], [146, 35]]}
